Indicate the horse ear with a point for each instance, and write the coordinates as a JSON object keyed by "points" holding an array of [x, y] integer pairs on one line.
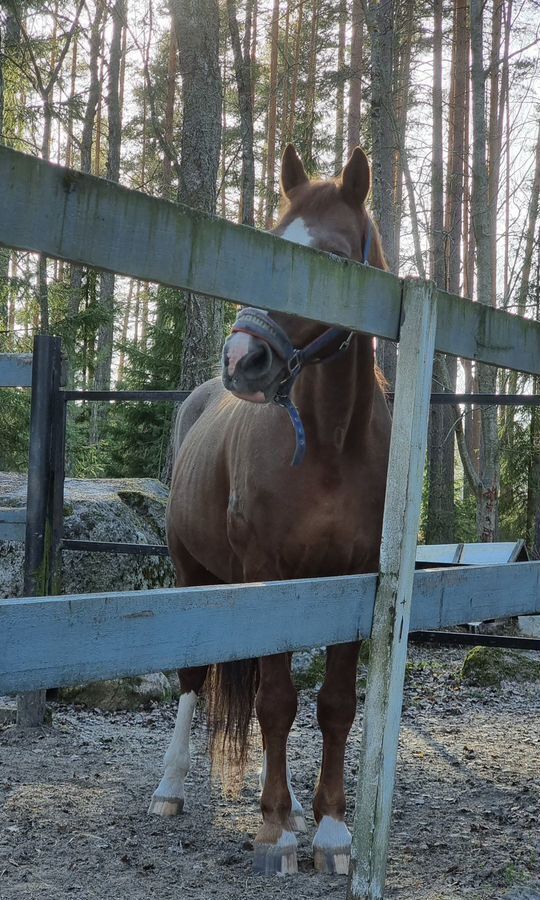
{"points": [[292, 170], [355, 178]]}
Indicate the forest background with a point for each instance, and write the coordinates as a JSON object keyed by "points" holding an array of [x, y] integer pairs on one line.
{"points": [[194, 101]]}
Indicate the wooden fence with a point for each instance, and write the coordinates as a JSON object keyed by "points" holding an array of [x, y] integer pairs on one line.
{"points": [[58, 640]]}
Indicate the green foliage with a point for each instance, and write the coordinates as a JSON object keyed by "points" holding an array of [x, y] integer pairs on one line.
{"points": [[14, 429], [138, 432]]}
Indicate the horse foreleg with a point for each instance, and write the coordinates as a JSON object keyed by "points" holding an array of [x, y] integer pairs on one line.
{"points": [[275, 843], [168, 798], [298, 819], [336, 706]]}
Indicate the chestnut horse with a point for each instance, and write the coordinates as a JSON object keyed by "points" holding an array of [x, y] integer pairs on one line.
{"points": [[240, 512]]}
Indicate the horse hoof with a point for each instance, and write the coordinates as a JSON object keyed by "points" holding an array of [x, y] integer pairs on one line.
{"points": [[332, 847], [298, 823], [166, 806], [276, 859], [332, 862]]}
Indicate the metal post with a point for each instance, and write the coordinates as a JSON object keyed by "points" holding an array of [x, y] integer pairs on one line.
{"points": [[46, 368], [384, 693]]}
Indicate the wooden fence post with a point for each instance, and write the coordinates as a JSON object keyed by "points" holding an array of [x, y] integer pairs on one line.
{"points": [[384, 693], [40, 555]]}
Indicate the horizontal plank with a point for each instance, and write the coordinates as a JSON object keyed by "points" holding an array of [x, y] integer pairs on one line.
{"points": [[89, 220], [81, 218], [111, 396], [115, 547], [448, 399], [474, 331], [12, 523], [15, 368], [52, 641]]}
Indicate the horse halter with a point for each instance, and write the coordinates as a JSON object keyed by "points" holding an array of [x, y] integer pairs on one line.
{"points": [[258, 324]]}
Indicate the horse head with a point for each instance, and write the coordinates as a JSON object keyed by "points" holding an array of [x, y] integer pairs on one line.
{"points": [[264, 352]]}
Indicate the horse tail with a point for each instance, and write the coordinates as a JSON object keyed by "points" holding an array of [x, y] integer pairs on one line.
{"points": [[231, 689]]}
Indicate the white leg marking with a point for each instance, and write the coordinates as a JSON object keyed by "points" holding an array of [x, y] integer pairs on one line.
{"points": [[332, 846], [177, 759], [297, 812], [298, 233]]}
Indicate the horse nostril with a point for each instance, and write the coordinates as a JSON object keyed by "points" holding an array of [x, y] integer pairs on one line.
{"points": [[258, 361]]}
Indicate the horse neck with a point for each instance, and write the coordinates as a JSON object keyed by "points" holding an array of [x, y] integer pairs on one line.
{"points": [[335, 399]]}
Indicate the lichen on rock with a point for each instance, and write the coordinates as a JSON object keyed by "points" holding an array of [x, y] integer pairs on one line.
{"points": [[128, 510], [490, 666]]}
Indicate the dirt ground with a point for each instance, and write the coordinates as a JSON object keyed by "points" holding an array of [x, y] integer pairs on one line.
{"points": [[466, 824]]}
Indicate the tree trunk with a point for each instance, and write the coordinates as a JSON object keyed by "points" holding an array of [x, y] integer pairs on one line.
{"points": [[295, 74], [340, 90], [75, 277], [381, 16], [402, 88], [272, 116], [311, 91], [4, 251], [354, 116], [242, 68], [169, 110], [480, 207], [440, 518], [104, 346]]}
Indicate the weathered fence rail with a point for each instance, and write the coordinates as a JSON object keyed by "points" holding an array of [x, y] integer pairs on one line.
{"points": [[79, 218], [54, 641]]}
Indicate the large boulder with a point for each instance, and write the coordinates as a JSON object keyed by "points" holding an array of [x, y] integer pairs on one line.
{"points": [[131, 510], [490, 666]]}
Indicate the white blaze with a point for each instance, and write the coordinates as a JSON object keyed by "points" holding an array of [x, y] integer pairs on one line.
{"points": [[298, 233]]}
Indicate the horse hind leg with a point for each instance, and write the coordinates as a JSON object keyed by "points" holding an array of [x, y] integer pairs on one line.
{"points": [[168, 798], [336, 706]]}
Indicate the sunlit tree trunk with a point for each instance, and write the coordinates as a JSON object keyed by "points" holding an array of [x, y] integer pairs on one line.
{"points": [[402, 78], [197, 33], [272, 118], [354, 114], [311, 90], [440, 517], [242, 68], [480, 207], [533, 488], [295, 73], [105, 335], [381, 21], [340, 89], [169, 110], [4, 251]]}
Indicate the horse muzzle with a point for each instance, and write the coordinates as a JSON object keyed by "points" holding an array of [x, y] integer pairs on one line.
{"points": [[251, 369]]}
